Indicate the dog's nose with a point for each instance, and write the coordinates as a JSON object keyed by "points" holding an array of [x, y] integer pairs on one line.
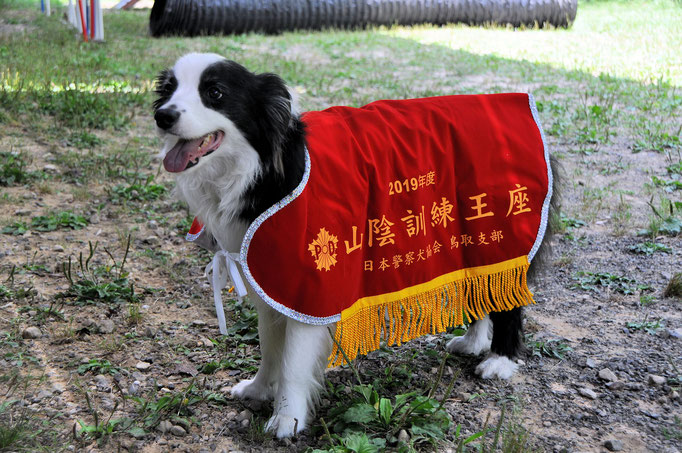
{"points": [[166, 118]]}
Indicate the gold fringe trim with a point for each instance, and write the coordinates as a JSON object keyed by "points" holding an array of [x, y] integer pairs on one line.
{"points": [[430, 308]]}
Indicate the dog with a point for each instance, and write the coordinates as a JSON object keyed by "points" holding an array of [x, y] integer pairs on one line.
{"points": [[236, 143]]}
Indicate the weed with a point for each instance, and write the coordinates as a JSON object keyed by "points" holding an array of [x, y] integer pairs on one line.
{"points": [[13, 170], [553, 347], [51, 222], [98, 366], [107, 283], [675, 431], [134, 314], [234, 361], [43, 313], [649, 248], [669, 185], [646, 299], [621, 217], [650, 327], [674, 288], [667, 219], [137, 191], [593, 281]]}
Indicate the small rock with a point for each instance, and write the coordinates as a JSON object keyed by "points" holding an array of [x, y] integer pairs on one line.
{"points": [[149, 332], [656, 380], [546, 423], [675, 333], [22, 212], [31, 333], [58, 387], [613, 445], [403, 436], [587, 393], [153, 224], [151, 240], [178, 430], [143, 366], [198, 323], [244, 415], [102, 383], [41, 396], [616, 385], [165, 426], [134, 388], [106, 326], [607, 375], [50, 168], [245, 423], [590, 363], [94, 219], [674, 395], [58, 248]]}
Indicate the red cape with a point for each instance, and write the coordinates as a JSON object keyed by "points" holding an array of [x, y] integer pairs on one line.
{"points": [[424, 210]]}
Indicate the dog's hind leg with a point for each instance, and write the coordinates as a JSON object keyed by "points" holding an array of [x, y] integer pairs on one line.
{"points": [[506, 344], [271, 330], [475, 341], [306, 350]]}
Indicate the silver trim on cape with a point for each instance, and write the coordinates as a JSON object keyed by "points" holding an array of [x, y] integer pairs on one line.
{"points": [[286, 311], [550, 178]]}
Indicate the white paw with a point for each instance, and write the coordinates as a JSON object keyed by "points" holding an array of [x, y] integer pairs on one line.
{"points": [[282, 425], [468, 345], [248, 389], [496, 366]]}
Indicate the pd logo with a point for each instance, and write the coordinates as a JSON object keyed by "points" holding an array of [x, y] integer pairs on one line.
{"points": [[323, 249]]}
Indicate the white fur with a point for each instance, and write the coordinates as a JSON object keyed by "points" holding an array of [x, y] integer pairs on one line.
{"points": [[496, 366], [475, 341], [293, 354]]}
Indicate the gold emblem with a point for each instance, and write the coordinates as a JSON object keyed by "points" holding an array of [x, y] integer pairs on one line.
{"points": [[323, 249]]}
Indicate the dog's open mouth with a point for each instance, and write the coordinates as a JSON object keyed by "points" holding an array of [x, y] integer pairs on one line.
{"points": [[186, 153]]}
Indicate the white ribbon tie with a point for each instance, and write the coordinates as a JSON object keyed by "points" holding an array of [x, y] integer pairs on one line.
{"points": [[216, 273]]}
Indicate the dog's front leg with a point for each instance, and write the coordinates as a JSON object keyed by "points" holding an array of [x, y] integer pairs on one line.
{"points": [[306, 349], [271, 330]]}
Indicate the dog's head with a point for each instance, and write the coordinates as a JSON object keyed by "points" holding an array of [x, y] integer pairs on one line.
{"points": [[210, 106]]}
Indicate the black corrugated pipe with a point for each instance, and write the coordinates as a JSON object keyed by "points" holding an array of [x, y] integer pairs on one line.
{"points": [[206, 17]]}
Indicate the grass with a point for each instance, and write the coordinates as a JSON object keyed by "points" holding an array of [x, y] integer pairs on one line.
{"points": [[49, 222], [597, 281]]}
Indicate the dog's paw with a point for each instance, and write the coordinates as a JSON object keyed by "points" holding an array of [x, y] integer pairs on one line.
{"points": [[248, 389], [496, 366], [283, 425], [468, 345]]}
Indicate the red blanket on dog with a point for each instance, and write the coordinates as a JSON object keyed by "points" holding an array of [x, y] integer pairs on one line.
{"points": [[411, 215]]}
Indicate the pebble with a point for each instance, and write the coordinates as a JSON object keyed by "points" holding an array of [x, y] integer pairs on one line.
{"points": [[143, 366], [41, 396], [134, 388], [106, 326], [674, 395], [50, 168], [165, 426], [149, 332], [178, 430], [656, 380], [613, 445], [58, 248], [616, 385], [607, 375], [245, 423], [198, 323], [102, 383], [675, 333], [31, 333], [22, 212], [587, 393], [151, 240], [153, 224], [403, 436], [244, 415], [590, 363]]}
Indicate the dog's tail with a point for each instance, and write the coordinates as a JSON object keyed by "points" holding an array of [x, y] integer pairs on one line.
{"points": [[544, 252]]}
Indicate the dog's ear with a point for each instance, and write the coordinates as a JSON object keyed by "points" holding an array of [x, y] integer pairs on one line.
{"points": [[277, 115]]}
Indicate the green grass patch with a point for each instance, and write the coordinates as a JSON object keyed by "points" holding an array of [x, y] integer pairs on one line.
{"points": [[105, 283], [51, 222], [13, 171], [649, 248], [553, 348], [137, 192], [598, 281]]}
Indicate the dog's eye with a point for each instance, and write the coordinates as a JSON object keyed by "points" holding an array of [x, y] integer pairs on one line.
{"points": [[214, 93]]}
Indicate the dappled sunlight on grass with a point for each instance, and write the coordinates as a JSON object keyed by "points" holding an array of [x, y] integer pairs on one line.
{"points": [[614, 38]]}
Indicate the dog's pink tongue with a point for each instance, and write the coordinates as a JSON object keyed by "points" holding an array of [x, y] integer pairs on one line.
{"points": [[178, 157]]}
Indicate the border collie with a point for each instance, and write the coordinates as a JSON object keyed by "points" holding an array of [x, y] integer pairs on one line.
{"points": [[236, 143]]}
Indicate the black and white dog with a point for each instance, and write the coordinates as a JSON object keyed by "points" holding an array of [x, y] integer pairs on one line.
{"points": [[236, 143]]}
